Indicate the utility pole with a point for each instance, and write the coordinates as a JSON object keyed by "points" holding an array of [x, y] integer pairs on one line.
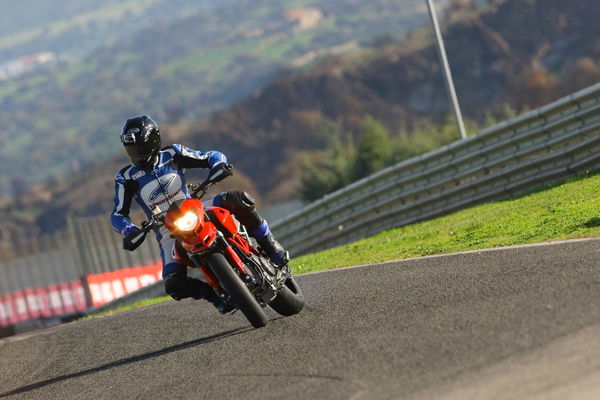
{"points": [[446, 69]]}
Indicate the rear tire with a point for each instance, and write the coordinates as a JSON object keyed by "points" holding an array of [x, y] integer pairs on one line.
{"points": [[290, 300], [237, 290]]}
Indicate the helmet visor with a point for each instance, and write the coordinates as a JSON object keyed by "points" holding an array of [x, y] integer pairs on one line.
{"points": [[140, 154]]}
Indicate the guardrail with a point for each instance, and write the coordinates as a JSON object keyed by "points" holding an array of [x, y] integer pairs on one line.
{"points": [[559, 140]]}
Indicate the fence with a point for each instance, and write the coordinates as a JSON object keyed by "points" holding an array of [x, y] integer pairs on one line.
{"points": [[99, 248], [545, 145], [70, 271], [40, 280]]}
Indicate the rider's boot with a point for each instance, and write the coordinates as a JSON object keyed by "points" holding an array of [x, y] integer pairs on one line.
{"points": [[270, 245]]}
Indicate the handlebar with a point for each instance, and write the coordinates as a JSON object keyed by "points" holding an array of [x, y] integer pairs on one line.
{"points": [[134, 240], [200, 190], [155, 221]]}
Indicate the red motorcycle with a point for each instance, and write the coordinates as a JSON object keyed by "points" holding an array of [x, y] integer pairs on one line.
{"points": [[209, 238]]}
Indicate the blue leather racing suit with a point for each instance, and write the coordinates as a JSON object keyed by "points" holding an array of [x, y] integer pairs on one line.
{"points": [[159, 187]]}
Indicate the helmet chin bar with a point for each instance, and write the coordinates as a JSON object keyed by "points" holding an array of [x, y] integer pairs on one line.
{"points": [[146, 163]]}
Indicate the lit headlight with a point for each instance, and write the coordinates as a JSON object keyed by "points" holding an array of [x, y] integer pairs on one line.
{"points": [[187, 222]]}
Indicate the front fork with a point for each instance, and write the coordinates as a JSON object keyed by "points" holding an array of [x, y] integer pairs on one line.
{"points": [[223, 246]]}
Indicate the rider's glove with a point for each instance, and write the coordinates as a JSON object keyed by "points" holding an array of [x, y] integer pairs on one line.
{"points": [[219, 172], [129, 233], [128, 230]]}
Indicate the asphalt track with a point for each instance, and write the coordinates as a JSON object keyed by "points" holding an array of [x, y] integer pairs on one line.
{"points": [[516, 323]]}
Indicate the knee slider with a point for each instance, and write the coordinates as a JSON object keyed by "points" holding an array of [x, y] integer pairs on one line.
{"points": [[246, 202]]}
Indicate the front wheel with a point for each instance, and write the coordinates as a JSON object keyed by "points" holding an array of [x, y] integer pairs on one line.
{"points": [[237, 290]]}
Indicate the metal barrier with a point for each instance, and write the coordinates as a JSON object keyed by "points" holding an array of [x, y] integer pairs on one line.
{"points": [[46, 260], [100, 248], [554, 142]]}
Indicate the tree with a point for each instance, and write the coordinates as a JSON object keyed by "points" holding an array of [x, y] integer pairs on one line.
{"points": [[374, 149], [330, 173]]}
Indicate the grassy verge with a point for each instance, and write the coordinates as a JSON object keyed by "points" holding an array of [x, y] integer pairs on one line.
{"points": [[564, 211], [141, 303], [568, 210]]}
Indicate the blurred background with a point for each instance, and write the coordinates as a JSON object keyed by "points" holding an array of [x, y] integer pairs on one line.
{"points": [[304, 96], [290, 91]]}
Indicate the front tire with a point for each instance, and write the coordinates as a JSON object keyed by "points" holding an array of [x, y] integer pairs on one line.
{"points": [[237, 290]]}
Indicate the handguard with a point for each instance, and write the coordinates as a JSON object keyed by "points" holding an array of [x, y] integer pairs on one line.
{"points": [[221, 172]]}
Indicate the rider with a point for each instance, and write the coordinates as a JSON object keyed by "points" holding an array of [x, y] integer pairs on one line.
{"points": [[155, 178]]}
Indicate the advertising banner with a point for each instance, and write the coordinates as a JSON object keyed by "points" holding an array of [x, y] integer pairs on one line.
{"points": [[69, 297], [108, 286], [34, 303]]}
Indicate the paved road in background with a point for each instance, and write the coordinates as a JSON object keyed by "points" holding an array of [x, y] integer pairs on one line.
{"points": [[514, 323]]}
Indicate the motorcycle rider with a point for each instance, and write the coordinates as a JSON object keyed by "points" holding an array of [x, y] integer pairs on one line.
{"points": [[155, 178]]}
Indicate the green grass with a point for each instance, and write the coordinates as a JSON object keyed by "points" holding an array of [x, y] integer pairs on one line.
{"points": [[564, 211], [141, 303]]}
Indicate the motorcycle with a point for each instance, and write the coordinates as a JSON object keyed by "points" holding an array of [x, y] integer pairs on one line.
{"points": [[233, 264]]}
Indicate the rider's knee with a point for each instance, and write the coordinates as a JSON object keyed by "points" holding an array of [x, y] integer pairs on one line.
{"points": [[176, 285], [235, 201], [245, 201], [180, 286]]}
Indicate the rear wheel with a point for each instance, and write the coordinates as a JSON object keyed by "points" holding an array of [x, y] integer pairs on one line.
{"points": [[290, 300], [237, 290]]}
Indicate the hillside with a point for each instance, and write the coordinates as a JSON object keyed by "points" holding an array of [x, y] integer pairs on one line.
{"points": [[65, 117], [74, 28], [514, 53], [495, 61]]}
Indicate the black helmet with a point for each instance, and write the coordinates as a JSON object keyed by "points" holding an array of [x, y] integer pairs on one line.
{"points": [[141, 138]]}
